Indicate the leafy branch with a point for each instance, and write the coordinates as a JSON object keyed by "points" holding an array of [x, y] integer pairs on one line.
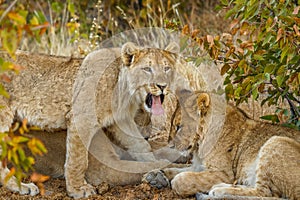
{"points": [[15, 22], [260, 55]]}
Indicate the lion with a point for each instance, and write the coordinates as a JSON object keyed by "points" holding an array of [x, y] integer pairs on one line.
{"points": [[97, 98], [233, 155]]}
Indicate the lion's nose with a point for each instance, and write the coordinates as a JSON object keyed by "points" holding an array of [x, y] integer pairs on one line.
{"points": [[161, 86]]}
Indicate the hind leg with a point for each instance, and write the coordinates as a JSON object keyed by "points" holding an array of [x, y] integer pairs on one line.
{"points": [[277, 172], [11, 184], [6, 119]]}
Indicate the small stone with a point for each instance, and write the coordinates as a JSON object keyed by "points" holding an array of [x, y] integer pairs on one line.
{"points": [[103, 188]]}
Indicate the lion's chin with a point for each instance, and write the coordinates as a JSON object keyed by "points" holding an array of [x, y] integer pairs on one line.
{"points": [[153, 104]]}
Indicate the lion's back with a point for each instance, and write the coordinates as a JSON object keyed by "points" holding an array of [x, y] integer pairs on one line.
{"points": [[256, 149], [42, 91]]}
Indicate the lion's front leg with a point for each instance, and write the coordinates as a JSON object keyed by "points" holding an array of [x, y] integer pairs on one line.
{"points": [[76, 165], [161, 177], [140, 150], [131, 139], [189, 183]]}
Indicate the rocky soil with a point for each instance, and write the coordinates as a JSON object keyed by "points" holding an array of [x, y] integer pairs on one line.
{"points": [[56, 189]]}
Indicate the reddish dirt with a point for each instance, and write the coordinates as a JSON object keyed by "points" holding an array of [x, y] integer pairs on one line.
{"points": [[56, 189]]}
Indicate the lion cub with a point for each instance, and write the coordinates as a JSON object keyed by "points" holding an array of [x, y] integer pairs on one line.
{"points": [[99, 96], [237, 157]]}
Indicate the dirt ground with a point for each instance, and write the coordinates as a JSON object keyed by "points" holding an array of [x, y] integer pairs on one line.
{"points": [[56, 189]]}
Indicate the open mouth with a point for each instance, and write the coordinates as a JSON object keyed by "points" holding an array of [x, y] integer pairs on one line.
{"points": [[155, 103]]}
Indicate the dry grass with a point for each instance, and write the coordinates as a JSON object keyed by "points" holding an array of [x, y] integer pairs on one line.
{"points": [[105, 19]]}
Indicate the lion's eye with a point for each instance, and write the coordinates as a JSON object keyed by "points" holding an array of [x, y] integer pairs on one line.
{"points": [[167, 69], [147, 69]]}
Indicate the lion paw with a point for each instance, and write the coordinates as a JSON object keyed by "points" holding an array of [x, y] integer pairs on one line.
{"points": [[25, 189], [217, 192], [220, 190], [29, 188], [201, 196], [156, 178], [81, 192]]}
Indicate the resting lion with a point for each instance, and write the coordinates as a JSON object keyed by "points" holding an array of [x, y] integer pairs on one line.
{"points": [[102, 97], [234, 156]]}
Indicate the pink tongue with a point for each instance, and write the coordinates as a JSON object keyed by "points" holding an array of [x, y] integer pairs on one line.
{"points": [[157, 108]]}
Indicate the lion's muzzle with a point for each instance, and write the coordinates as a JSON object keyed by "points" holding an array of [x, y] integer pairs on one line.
{"points": [[154, 103]]}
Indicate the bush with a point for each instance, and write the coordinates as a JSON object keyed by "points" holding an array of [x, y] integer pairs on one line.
{"points": [[260, 55], [16, 22]]}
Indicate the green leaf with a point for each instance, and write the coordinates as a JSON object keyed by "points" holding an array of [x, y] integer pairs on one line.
{"points": [[21, 154], [30, 160], [268, 24], [242, 63], [229, 91], [3, 91], [5, 66], [225, 68], [251, 10], [248, 88], [34, 21], [254, 92], [285, 50], [227, 80], [269, 69], [281, 70], [4, 150], [224, 2], [9, 41], [40, 17], [15, 158], [16, 17], [280, 80], [273, 118], [57, 7], [41, 146], [237, 92], [258, 57], [19, 176], [267, 38], [229, 13], [267, 76], [71, 8], [20, 139], [293, 126]]}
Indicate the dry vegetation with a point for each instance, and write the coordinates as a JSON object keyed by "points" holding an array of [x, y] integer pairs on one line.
{"points": [[79, 30]]}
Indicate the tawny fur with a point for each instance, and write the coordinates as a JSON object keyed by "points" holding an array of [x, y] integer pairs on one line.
{"points": [[46, 91], [248, 158]]}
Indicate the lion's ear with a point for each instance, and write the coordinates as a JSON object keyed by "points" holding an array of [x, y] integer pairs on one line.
{"points": [[173, 47], [128, 52], [203, 102]]}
